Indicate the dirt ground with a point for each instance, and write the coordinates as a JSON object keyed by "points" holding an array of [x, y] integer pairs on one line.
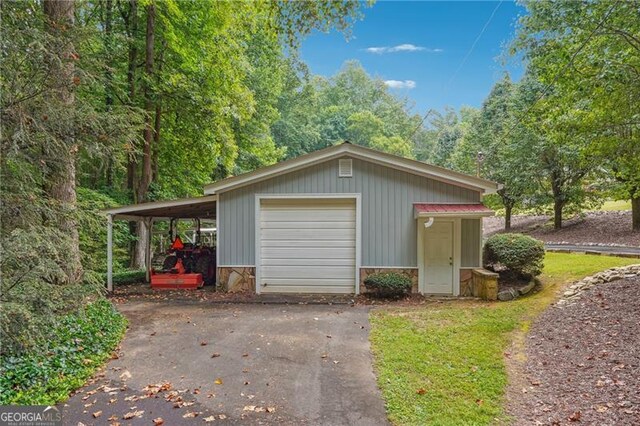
{"points": [[612, 227], [582, 362]]}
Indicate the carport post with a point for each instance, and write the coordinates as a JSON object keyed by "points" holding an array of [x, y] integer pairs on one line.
{"points": [[147, 254], [109, 252]]}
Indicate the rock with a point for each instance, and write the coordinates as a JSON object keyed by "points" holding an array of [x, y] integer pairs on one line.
{"points": [[527, 288], [509, 294], [570, 293]]}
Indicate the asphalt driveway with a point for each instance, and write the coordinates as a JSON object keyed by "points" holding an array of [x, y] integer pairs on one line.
{"points": [[227, 364]]}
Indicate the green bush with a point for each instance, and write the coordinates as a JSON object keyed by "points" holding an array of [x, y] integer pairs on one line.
{"points": [[388, 283], [128, 277], [516, 254], [80, 343]]}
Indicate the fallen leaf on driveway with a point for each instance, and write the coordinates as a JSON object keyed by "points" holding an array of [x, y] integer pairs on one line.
{"points": [[249, 408], [222, 416], [271, 409], [125, 375], [209, 419], [132, 414], [215, 355], [190, 415], [158, 421], [203, 343], [218, 381], [245, 355], [97, 414]]}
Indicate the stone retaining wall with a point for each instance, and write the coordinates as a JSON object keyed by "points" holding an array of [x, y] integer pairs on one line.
{"points": [[574, 291], [484, 284]]}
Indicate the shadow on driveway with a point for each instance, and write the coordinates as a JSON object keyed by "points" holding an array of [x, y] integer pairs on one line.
{"points": [[228, 364]]}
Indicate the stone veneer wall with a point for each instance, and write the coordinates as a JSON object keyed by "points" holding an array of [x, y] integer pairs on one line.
{"points": [[466, 282], [410, 272], [236, 278]]}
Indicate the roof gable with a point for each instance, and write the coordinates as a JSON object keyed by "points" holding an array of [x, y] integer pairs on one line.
{"points": [[347, 149]]}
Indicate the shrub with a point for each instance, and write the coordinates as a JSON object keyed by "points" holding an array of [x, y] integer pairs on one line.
{"points": [[79, 344], [388, 283], [128, 277], [517, 254]]}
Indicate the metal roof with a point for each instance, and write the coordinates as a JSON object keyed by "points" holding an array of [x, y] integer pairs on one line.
{"points": [[201, 207], [477, 209]]}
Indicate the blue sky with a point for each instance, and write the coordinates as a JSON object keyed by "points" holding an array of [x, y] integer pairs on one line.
{"points": [[420, 48]]}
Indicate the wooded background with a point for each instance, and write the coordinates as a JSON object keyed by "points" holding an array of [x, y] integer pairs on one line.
{"points": [[111, 102]]}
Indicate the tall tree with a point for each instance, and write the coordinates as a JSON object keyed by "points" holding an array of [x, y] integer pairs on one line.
{"points": [[60, 178], [588, 53]]}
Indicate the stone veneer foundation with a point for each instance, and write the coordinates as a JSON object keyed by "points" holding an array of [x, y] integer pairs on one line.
{"points": [[234, 279], [410, 272]]}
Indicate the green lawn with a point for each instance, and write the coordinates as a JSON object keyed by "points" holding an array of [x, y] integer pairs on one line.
{"points": [[616, 205], [442, 364]]}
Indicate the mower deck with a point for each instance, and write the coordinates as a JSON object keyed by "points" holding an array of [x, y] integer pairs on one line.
{"points": [[176, 281]]}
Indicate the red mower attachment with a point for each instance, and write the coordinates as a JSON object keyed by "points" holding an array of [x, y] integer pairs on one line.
{"points": [[176, 281]]}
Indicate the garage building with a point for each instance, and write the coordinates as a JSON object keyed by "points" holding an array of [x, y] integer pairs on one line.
{"points": [[322, 222]]}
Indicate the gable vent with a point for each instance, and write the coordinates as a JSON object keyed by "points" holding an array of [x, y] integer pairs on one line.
{"points": [[345, 168]]}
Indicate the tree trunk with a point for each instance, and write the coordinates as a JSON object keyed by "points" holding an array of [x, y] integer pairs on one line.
{"points": [[146, 174], [132, 30], [635, 213], [139, 260], [60, 179], [156, 139], [558, 205], [108, 100], [131, 22], [507, 216]]}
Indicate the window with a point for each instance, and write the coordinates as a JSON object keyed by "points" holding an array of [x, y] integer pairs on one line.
{"points": [[345, 168]]}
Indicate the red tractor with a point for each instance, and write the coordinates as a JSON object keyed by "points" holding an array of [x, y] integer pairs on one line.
{"points": [[184, 265]]}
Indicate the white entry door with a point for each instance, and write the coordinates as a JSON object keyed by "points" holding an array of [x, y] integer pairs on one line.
{"points": [[307, 245], [439, 258]]}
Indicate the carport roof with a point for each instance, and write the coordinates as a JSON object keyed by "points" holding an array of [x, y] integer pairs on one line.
{"points": [[200, 207]]}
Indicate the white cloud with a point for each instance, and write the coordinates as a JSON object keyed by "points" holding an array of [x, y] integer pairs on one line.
{"points": [[406, 47], [400, 84]]}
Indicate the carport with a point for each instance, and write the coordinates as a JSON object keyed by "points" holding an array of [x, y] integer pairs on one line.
{"points": [[185, 208]]}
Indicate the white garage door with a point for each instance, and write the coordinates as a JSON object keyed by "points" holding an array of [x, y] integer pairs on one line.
{"points": [[307, 246]]}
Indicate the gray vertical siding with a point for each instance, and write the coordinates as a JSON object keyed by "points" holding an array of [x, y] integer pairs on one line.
{"points": [[388, 224], [470, 245]]}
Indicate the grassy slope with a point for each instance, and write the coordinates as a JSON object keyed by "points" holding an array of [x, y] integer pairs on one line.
{"points": [[453, 350], [616, 205]]}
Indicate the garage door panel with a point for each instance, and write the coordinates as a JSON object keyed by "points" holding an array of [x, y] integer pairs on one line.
{"points": [[306, 272], [309, 262], [307, 243], [307, 246], [308, 234], [308, 253], [309, 214], [314, 289], [311, 224]]}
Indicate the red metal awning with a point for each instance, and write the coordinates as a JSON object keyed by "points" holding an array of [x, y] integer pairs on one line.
{"points": [[422, 209]]}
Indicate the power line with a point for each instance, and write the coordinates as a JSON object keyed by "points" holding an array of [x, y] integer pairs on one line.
{"points": [[464, 60], [473, 46]]}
